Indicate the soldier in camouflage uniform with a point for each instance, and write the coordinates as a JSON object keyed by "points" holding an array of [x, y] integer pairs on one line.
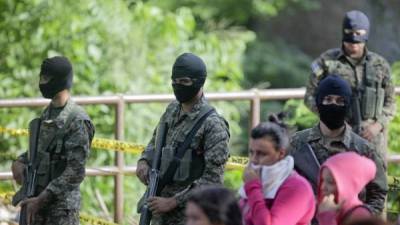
{"points": [[203, 163], [63, 146], [332, 135], [369, 76]]}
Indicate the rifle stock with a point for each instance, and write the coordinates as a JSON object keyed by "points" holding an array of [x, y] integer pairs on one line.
{"points": [[154, 174]]}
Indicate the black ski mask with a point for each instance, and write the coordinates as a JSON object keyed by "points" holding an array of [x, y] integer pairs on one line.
{"points": [[355, 20], [332, 115], [192, 66], [59, 71]]}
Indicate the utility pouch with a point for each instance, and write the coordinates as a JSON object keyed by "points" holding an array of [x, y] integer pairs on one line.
{"points": [[43, 171], [379, 102], [183, 171], [368, 104], [167, 155], [57, 165]]}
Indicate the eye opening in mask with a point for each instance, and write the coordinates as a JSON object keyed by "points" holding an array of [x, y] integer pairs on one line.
{"points": [[334, 99], [186, 81], [356, 33], [44, 79]]}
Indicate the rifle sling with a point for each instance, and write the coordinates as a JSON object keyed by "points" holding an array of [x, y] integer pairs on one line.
{"points": [[180, 152]]}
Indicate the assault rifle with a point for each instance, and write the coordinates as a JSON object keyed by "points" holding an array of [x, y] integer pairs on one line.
{"points": [[28, 188], [154, 174]]}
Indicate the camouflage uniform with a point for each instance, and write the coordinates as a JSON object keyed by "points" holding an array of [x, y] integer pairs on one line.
{"points": [[324, 147], [61, 166], [334, 61], [202, 164]]}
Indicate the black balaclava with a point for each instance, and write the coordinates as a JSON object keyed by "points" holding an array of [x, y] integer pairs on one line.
{"points": [[59, 70], [355, 20], [192, 66], [332, 115]]}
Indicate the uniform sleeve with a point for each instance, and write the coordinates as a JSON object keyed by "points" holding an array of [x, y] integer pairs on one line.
{"points": [[216, 154], [148, 152], [76, 144], [290, 205], [377, 189], [389, 103], [316, 71]]}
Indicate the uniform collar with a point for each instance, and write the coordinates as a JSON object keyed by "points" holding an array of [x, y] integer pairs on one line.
{"points": [[195, 110], [342, 55], [316, 135], [60, 119]]}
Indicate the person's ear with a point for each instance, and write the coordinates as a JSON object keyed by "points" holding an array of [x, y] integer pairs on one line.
{"points": [[282, 153]]}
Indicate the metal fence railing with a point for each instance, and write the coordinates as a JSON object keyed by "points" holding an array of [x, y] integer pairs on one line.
{"points": [[119, 169]]}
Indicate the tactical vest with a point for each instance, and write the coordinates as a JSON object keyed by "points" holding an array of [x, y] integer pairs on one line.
{"points": [[51, 157], [373, 93], [370, 90], [191, 165]]}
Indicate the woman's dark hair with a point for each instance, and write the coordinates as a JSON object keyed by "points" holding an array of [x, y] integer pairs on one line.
{"points": [[219, 204], [275, 129]]}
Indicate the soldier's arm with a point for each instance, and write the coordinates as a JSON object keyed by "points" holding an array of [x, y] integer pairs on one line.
{"points": [[389, 104], [377, 189], [215, 156], [147, 154], [76, 145], [316, 72]]}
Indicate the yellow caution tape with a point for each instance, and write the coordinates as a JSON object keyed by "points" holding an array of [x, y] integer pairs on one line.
{"points": [[234, 162], [99, 143], [237, 163], [6, 197], [117, 145], [14, 132]]}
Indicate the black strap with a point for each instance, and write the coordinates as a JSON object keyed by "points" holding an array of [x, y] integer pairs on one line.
{"points": [[170, 172], [348, 214]]}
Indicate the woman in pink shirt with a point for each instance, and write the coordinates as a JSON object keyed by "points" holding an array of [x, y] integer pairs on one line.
{"points": [[342, 178], [273, 193]]}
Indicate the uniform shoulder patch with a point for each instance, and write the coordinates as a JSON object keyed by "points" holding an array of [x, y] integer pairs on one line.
{"points": [[316, 68]]}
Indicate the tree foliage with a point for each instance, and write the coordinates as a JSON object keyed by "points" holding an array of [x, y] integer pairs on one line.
{"points": [[129, 47], [216, 13], [115, 47]]}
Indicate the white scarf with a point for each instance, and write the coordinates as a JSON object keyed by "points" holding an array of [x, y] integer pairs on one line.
{"points": [[272, 177]]}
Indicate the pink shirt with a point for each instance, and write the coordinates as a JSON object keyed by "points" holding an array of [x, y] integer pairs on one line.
{"points": [[293, 204], [329, 217]]}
